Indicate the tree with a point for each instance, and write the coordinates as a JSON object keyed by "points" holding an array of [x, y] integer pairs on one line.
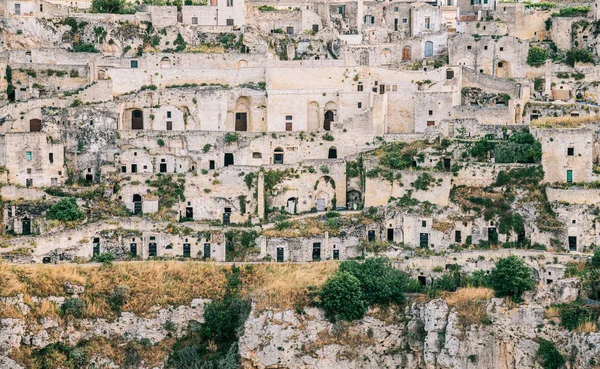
{"points": [[342, 297], [511, 277], [65, 210], [596, 259], [379, 281], [549, 355], [537, 56], [108, 6], [578, 55]]}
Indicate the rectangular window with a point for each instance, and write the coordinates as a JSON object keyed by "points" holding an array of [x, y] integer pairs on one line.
{"points": [[288, 117], [427, 23], [404, 20], [431, 112], [501, 49], [458, 236], [17, 9], [168, 114], [229, 3], [211, 164], [359, 105], [194, 20], [423, 223], [230, 22], [169, 126], [28, 155], [133, 64], [468, 47], [341, 9], [53, 181], [359, 88], [290, 30], [570, 151], [51, 157]]}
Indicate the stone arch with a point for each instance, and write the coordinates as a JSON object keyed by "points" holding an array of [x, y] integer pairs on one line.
{"points": [[330, 115], [278, 156], [502, 69], [406, 53], [428, 49], [324, 193], [386, 56], [165, 63], [313, 116], [332, 153], [35, 125], [364, 58], [242, 64], [242, 113]]}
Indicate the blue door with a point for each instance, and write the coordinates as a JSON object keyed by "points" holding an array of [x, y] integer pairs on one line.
{"points": [[428, 49]]}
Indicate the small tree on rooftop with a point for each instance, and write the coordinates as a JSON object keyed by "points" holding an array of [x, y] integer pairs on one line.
{"points": [[511, 278]]}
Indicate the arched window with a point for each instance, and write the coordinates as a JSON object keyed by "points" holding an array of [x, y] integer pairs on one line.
{"points": [[449, 73], [165, 63], [328, 119], [332, 154]]}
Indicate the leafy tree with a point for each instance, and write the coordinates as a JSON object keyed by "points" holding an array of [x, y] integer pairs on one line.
{"points": [[379, 281], [342, 297], [108, 6], [578, 55], [537, 56], [596, 259], [511, 277], [65, 210], [549, 355]]}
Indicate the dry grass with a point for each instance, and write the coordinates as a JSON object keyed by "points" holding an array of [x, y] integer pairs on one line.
{"points": [[470, 303], [340, 335], [551, 312], [564, 122], [286, 285], [205, 49], [587, 326], [161, 283]]}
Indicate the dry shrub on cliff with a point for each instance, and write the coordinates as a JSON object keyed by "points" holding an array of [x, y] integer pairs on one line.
{"points": [[161, 284], [470, 303], [287, 285], [587, 326]]}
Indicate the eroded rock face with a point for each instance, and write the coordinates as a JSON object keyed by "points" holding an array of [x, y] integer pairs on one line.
{"points": [[559, 292], [430, 335]]}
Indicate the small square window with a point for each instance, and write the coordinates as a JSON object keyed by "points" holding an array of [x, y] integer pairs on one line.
{"points": [[485, 48], [168, 114], [359, 105], [404, 20], [500, 65], [423, 223], [431, 112], [133, 64], [468, 47], [359, 88], [573, 221], [570, 151], [28, 170], [230, 22], [501, 49], [194, 20]]}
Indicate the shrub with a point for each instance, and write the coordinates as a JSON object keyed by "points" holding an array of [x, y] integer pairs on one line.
{"points": [[65, 210], [342, 297], [231, 137], [73, 306], [328, 137], [85, 48], [537, 56], [379, 281], [549, 356], [160, 142], [511, 277], [118, 298], [578, 56], [521, 147], [105, 258], [572, 315], [595, 261]]}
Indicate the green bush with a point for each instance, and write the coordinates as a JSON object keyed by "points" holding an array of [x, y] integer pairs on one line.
{"points": [[571, 315], [231, 137], [342, 297], [73, 306], [511, 277], [549, 356], [105, 258], [379, 281], [578, 56], [537, 56], [521, 147], [118, 298], [110, 6], [520, 176], [65, 210], [82, 47], [595, 261]]}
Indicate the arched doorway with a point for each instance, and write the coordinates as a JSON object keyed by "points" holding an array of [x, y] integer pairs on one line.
{"points": [[328, 119], [241, 114], [137, 204], [278, 156], [26, 226], [364, 58], [165, 63], [353, 200], [406, 53], [35, 125], [324, 193], [137, 119], [291, 205], [332, 153], [242, 64]]}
